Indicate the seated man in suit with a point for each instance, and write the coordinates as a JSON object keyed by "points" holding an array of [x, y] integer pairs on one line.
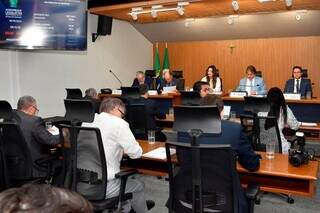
{"points": [[231, 134], [142, 79], [297, 84], [152, 111], [92, 95], [167, 81], [34, 131], [252, 84], [117, 139], [203, 88]]}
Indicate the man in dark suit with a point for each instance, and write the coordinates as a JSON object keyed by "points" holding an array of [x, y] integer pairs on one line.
{"points": [[142, 79], [298, 84], [152, 111], [168, 81], [231, 134], [34, 131], [92, 95]]}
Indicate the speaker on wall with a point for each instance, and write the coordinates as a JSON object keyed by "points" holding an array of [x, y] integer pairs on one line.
{"points": [[104, 27]]}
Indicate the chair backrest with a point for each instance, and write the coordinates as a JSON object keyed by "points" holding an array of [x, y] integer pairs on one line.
{"points": [[190, 98], [177, 74], [150, 73], [205, 118], [79, 110], [256, 104], [137, 118], [204, 177], [130, 92], [106, 91], [91, 164], [180, 84], [16, 154], [264, 134], [259, 74], [304, 73], [74, 93]]}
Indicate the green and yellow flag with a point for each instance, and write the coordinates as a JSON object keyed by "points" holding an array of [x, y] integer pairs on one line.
{"points": [[156, 62]]}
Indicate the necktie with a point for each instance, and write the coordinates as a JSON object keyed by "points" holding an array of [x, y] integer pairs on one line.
{"points": [[297, 86]]}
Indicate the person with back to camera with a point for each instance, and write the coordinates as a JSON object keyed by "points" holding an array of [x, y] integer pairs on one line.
{"points": [[212, 78], [252, 84], [283, 113]]}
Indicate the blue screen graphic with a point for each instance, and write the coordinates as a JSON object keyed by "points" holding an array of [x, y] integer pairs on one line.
{"points": [[43, 24]]}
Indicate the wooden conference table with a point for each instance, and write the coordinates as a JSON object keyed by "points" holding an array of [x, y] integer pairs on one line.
{"points": [[307, 110], [276, 175]]}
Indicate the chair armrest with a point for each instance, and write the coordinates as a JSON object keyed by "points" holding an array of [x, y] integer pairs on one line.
{"points": [[252, 191], [45, 160], [126, 173]]}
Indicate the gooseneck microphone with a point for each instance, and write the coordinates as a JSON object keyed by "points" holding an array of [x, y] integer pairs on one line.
{"points": [[116, 77]]}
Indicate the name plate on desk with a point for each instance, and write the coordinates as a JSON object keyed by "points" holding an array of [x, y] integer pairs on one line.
{"points": [[116, 92], [237, 94], [292, 96], [153, 92]]}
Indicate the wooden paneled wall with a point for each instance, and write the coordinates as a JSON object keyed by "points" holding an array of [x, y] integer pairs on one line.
{"points": [[275, 57]]}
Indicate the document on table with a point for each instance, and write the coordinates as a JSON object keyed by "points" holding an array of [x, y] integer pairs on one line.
{"points": [[159, 153], [308, 124], [169, 89]]}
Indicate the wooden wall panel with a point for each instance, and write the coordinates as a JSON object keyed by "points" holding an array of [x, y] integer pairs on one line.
{"points": [[275, 57]]}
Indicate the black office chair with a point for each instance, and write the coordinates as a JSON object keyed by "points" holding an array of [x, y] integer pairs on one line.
{"points": [[17, 161], [190, 98], [86, 167], [177, 74], [150, 73], [74, 93], [204, 179], [106, 91], [256, 104], [304, 73], [180, 84], [259, 74], [130, 92], [136, 116]]}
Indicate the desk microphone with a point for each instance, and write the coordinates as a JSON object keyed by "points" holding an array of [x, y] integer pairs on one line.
{"points": [[116, 77]]}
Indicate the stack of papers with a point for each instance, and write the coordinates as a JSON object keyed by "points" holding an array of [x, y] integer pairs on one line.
{"points": [[169, 89], [159, 153]]}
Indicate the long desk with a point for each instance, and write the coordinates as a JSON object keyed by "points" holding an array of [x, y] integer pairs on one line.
{"points": [[275, 175], [307, 110]]}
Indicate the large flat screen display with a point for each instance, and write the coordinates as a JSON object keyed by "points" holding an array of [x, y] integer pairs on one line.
{"points": [[43, 24]]}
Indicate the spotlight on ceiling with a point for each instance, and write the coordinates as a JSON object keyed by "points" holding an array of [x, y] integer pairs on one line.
{"points": [[231, 18], [134, 12], [235, 5], [188, 22], [154, 13], [299, 14], [180, 10], [289, 3]]}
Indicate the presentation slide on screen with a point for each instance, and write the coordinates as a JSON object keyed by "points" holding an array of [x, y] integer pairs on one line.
{"points": [[49, 24]]}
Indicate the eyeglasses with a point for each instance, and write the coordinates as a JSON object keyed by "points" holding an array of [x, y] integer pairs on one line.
{"points": [[37, 110], [122, 113]]}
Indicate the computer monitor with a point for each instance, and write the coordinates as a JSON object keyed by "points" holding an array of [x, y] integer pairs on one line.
{"points": [[205, 118], [130, 92], [190, 98], [256, 104]]}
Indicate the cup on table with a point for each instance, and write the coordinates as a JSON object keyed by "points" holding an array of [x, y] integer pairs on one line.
{"points": [[270, 147], [171, 111], [233, 115], [48, 125], [308, 95], [151, 137]]}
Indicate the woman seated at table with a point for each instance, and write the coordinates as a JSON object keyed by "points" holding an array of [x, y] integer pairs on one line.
{"points": [[283, 113], [212, 77]]}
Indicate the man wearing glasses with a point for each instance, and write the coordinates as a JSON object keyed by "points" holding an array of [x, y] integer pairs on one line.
{"points": [[117, 139], [34, 131], [298, 84]]}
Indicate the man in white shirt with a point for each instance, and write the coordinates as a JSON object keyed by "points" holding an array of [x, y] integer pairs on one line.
{"points": [[117, 139]]}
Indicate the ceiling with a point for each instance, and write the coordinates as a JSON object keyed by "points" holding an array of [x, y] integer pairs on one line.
{"points": [[198, 8], [264, 25]]}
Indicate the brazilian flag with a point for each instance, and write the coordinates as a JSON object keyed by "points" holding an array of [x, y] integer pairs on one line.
{"points": [[166, 64], [156, 62]]}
